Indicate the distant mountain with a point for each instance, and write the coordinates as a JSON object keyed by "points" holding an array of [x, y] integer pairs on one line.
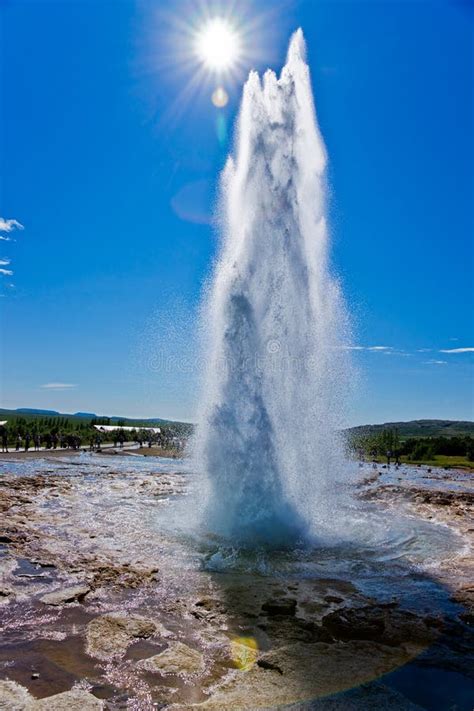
{"points": [[413, 428], [33, 411], [419, 428], [36, 412]]}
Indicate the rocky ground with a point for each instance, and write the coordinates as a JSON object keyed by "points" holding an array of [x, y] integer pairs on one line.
{"points": [[99, 609], [441, 502]]}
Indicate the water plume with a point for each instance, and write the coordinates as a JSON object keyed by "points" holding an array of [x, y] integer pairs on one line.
{"points": [[276, 378]]}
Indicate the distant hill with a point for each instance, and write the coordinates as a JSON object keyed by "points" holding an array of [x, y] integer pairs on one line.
{"points": [[419, 428], [32, 411], [414, 428]]}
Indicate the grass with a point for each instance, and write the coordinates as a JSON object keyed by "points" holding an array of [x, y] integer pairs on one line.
{"points": [[442, 460]]}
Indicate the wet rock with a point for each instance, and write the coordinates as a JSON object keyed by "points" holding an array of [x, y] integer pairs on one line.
{"points": [[7, 566], [74, 700], [354, 624], [109, 635], [73, 594], [178, 658], [381, 624], [284, 606], [43, 563], [333, 598], [14, 697], [124, 575], [467, 617], [282, 630], [161, 631], [465, 596], [265, 664], [5, 593], [368, 697], [288, 674], [208, 608], [209, 604]]}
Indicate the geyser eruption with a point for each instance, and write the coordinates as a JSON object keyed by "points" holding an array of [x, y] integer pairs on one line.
{"points": [[268, 440]]}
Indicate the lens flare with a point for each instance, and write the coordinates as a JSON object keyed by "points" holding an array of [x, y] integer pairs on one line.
{"points": [[220, 98], [244, 652]]}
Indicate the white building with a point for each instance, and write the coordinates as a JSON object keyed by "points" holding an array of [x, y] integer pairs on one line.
{"points": [[112, 428]]}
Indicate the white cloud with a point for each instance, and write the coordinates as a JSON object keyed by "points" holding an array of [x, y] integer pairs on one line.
{"points": [[58, 386], [457, 350], [10, 225], [7, 225], [367, 348], [393, 351]]}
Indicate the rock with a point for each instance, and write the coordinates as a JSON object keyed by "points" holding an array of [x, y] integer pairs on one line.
{"points": [[292, 673], [333, 598], [57, 597], [467, 617], [178, 658], [369, 697], [109, 635], [285, 629], [14, 697], [280, 606], [382, 624], [208, 603], [5, 592], [73, 700], [265, 664], [350, 624], [161, 630], [7, 566], [43, 563]]}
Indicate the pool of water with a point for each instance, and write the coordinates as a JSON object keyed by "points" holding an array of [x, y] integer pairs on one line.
{"points": [[136, 508]]}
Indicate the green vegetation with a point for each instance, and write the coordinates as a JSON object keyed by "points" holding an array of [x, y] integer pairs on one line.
{"points": [[454, 447], [79, 427], [444, 461], [419, 428], [441, 443]]}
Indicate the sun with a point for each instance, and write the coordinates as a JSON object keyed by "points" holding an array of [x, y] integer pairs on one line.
{"points": [[218, 45]]}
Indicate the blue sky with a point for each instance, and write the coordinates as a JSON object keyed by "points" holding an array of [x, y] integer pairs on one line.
{"points": [[111, 151]]}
